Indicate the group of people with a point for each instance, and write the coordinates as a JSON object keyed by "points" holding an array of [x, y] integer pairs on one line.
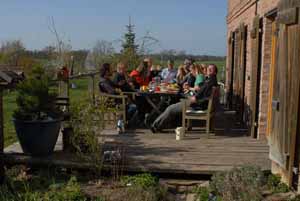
{"points": [[195, 82]]}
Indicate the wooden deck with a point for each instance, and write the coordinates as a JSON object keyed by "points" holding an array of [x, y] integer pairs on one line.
{"points": [[161, 153]]}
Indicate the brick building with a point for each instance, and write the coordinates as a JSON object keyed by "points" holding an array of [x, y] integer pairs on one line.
{"points": [[262, 77]]}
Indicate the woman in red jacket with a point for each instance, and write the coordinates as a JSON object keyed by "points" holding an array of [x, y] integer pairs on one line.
{"points": [[140, 76]]}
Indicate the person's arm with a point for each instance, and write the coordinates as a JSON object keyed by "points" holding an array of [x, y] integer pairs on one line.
{"points": [[107, 88]]}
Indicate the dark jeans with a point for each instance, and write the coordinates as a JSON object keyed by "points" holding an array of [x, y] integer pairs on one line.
{"points": [[170, 118]]}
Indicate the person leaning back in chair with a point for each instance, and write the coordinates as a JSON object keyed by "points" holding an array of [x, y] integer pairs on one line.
{"points": [[106, 85], [172, 116]]}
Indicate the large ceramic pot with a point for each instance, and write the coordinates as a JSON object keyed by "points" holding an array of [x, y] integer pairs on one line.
{"points": [[37, 138]]}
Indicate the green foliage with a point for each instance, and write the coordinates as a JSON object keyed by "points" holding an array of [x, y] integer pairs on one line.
{"points": [[144, 180], [239, 184], [35, 100], [86, 123], [129, 53], [41, 187], [275, 185]]}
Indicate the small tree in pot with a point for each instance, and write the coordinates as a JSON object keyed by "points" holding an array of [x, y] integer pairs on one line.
{"points": [[37, 119]]}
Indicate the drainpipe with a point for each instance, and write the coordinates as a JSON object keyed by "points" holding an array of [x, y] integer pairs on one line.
{"points": [[256, 7]]}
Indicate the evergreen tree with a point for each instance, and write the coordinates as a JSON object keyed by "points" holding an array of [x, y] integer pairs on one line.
{"points": [[129, 52], [129, 39]]}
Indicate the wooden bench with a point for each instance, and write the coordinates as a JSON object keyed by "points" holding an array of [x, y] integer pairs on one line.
{"points": [[204, 115]]}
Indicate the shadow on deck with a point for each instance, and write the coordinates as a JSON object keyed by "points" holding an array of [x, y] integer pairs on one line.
{"points": [[161, 153]]}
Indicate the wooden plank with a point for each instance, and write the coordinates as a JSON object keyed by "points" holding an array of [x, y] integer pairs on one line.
{"points": [[294, 66], [272, 72], [163, 154]]}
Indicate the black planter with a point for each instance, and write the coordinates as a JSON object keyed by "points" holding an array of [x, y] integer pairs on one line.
{"points": [[37, 138]]}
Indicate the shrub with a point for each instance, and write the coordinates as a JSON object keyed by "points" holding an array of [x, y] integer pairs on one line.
{"points": [[86, 124], [145, 180], [35, 100], [238, 184], [275, 185]]}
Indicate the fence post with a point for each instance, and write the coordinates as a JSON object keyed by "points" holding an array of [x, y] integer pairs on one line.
{"points": [[92, 88], [2, 171], [63, 92]]}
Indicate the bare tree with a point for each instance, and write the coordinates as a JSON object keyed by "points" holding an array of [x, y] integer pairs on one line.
{"points": [[103, 51], [147, 43], [11, 51], [63, 47]]}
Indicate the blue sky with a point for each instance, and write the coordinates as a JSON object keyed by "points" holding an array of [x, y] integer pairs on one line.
{"points": [[196, 26]]}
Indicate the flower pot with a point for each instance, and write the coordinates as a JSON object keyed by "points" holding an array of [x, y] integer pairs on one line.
{"points": [[37, 138]]}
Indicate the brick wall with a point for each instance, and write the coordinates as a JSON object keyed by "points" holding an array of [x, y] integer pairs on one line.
{"points": [[243, 11]]}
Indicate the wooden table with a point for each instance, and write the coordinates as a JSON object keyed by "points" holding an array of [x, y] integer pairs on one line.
{"points": [[150, 95]]}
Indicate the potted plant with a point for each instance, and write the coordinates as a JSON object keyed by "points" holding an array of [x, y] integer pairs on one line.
{"points": [[37, 119]]}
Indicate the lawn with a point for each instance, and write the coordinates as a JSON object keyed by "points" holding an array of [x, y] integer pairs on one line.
{"points": [[80, 91]]}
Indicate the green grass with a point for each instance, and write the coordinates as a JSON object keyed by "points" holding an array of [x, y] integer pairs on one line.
{"points": [[9, 105]]}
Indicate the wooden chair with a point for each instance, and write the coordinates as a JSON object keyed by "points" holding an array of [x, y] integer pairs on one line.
{"points": [[203, 115], [114, 106], [130, 94]]}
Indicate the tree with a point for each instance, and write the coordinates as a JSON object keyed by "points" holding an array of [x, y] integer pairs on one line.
{"points": [[11, 52], [129, 52], [129, 39], [103, 51], [63, 47]]}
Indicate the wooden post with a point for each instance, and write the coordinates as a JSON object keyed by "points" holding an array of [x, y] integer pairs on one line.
{"points": [[63, 90], [92, 88], [2, 171]]}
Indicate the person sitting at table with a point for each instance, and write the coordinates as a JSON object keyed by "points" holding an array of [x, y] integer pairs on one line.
{"points": [[140, 76], [108, 86], [120, 79], [189, 79], [168, 74], [197, 72], [181, 73], [172, 116], [105, 83], [201, 75]]}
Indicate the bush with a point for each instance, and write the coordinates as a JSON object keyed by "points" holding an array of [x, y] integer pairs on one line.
{"points": [[239, 184], [143, 180], [35, 100], [275, 185]]}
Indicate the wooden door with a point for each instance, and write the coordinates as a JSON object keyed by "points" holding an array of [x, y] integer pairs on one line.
{"points": [[285, 100], [256, 49], [241, 70], [272, 72], [239, 65], [237, 49], [231, 45]]}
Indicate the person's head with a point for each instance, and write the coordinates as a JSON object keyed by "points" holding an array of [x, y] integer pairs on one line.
{"points": [[187, 64], [194, 70], [140, 68], [121, 68], [105, 70], [203, 69], [170, 64], [149, 61], [181, 71], [212, 70]]}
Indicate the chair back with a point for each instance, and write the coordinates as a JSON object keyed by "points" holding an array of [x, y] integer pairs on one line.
{"points": [[211, 103]]}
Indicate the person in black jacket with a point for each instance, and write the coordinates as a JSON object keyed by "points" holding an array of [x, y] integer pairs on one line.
{"points": [[121, 79], [105, 83], [172, 116]]}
